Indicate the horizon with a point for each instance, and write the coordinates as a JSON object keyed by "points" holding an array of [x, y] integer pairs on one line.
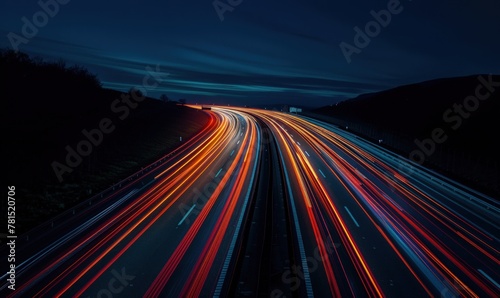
{"points": [[272, 105], [309, 55]]}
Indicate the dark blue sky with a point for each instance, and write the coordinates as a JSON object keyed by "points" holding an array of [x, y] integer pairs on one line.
{"points": [[262, 51]]}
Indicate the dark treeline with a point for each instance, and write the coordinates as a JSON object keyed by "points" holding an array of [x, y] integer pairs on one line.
{"points": [[405, 117], [31, 78], [47, 105]]}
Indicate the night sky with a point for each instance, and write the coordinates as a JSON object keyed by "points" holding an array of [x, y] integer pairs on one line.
{"points": [[255, 51]]}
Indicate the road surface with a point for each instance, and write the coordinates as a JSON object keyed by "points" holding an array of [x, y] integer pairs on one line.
{"points": [[268, 204]]}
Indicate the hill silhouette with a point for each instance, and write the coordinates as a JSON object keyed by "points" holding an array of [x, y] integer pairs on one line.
{"points": [[461, 113], [49, 105]]}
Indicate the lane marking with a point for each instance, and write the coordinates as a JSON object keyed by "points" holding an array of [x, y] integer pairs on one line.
{"points": [[186, 215], [231, 153], [147, 184], [218, 173], [321, 172], [489, 278], [302, 253], [298, 143], [42, 253], [238, 142], [229, 255], [350, 214], [307, 153]]}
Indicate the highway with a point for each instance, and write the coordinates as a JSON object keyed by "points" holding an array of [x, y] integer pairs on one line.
{"points": [[269, 204]]}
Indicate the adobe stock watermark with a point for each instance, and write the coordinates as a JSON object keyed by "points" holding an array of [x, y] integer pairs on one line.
{"points": [[120, 108], [200, 199], [454, 117], [222, 6], [30, 27], [372, 29], [116, 284]]}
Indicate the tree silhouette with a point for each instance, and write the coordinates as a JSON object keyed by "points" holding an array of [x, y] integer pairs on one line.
{"points": [[164, 98], [135, 92]]}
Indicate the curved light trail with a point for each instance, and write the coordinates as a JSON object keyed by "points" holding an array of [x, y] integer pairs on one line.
{"points": [[361, 221]]}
